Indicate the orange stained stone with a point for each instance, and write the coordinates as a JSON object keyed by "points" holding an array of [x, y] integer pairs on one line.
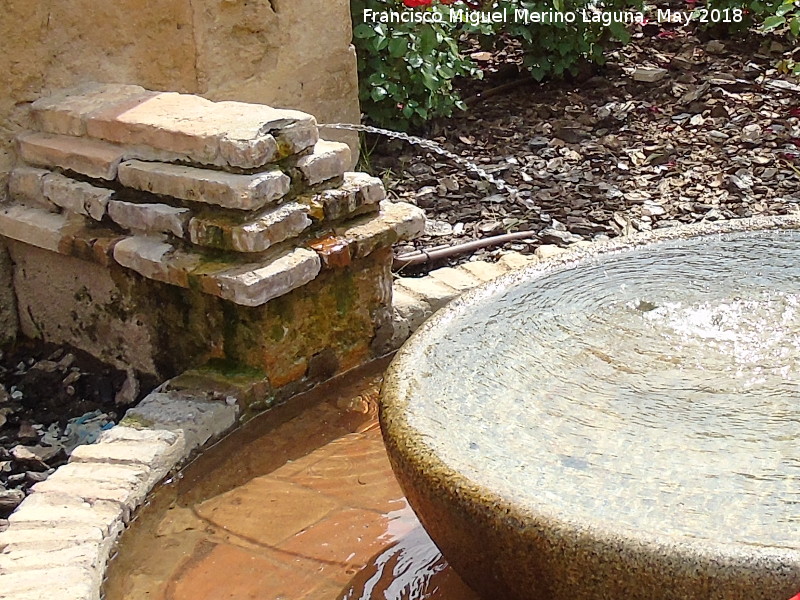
{"points": [[289, 374], [266, 510], [334, 251], [227, 572]]}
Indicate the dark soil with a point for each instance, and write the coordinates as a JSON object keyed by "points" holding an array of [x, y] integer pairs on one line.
{"points": [[52, 397]]}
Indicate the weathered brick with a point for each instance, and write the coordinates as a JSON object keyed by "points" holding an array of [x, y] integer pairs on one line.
{"points": [[22, 538], [87, 555], [435, 293], [395, 221], [155, 259], [198, 419], [254, 285], [241, 122], [77, 196], [224, 133], [54, 510], [150, 218], [254, 235], [248, 284], [229, 190], [65, 112], [328, 160], [33, 226], [483, 270], [515, 260], [409, 307], [122, 492], [548, 251], [26, 186], [64, 583], [89, 157], [172, 126], [357, 190], [158, 455]]}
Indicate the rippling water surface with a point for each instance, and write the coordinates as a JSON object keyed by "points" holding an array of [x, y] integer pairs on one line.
{"points": [[656, 390]]}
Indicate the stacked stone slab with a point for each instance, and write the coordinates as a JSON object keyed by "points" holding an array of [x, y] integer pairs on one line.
{"points": [[241, 202]]}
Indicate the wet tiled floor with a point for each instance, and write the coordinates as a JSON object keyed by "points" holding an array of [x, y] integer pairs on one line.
{"points": [[299, 505]]}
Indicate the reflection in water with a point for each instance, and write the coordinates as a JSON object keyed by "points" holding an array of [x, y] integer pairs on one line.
{"points": [[410, 568], [300, 504]]}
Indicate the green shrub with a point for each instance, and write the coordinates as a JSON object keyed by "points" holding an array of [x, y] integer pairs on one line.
{"points": [[406, 70], [555, 48]]}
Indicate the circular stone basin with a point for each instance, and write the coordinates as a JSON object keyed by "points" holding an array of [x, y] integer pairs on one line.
{"points": [[620, 424]]}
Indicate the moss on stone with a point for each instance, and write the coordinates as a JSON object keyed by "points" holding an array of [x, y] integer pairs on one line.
{"points": [[136, 421]]}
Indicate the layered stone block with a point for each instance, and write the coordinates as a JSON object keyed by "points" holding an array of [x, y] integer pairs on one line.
{"points": [[328, 160], [160, 218], [258, 233], [200, 232], [357, 192], [77, 196], [183, 126], [88, 157], [26, 186], [228, 190]]}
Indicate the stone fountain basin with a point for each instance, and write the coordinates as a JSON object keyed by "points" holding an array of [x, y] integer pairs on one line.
{"points": [[617, 423]]}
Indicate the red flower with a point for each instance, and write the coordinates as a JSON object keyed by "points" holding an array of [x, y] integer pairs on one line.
{"points": [[795, 597], [416, 3]]}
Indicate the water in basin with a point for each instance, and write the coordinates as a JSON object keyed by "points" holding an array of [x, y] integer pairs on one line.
{"points": [[658, 389]]}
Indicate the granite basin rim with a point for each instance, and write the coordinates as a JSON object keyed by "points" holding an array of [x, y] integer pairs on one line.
{"points": [[409, 452]]}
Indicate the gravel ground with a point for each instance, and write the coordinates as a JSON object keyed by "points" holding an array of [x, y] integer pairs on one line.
{"points": [[674, 129], [52, 398]]}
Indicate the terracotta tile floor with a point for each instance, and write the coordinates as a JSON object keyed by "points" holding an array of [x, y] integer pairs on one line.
{"points": [[327, 523]]}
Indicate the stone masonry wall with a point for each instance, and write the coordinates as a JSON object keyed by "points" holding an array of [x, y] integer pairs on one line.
{"points": [[160, 231], [285, 53]]}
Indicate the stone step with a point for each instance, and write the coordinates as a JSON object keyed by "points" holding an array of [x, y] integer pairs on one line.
{"points": [[248, 284], [34, 226], [178, 126], [256, 234], [90, 157], [228, 190]]}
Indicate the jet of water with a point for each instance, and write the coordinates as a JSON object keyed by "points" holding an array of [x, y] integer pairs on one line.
{"points": [[433, 147]]}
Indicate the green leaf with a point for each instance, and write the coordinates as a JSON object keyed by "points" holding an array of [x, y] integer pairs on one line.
{"points": [[363, 31], [794, 26], [398, 46], [427, 40], [773, 22], [414, 61], [378, 93], [619, 31]]}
